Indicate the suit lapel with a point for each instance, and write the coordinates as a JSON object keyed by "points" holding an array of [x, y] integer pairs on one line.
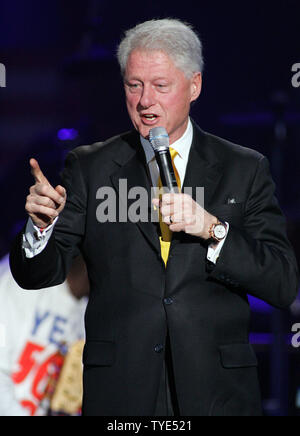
{"points": [[133, 169], [203, 171], [203, 168]]}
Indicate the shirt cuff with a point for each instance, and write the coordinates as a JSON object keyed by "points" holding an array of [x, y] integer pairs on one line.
{"points": [[214, 249], [36, 239]]}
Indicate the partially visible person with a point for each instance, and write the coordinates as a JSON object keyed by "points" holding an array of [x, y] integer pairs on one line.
{"points": [[36, 331]]}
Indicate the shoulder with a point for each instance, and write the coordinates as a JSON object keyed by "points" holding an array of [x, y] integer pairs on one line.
{"points": [[101, 157], [106, 149], [236, 162], [230, 152]]}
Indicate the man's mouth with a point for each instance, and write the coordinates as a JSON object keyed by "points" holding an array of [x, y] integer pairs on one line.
{"points": [[149, 117]]}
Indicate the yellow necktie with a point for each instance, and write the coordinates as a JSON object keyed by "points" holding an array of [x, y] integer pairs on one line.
{"points": [[166, 234]]}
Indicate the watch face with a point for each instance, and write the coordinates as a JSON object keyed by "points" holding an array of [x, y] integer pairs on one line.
{"points": [[220, 231]]}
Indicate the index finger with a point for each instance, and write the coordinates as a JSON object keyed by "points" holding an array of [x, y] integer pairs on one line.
{"points": [[37, 172]]}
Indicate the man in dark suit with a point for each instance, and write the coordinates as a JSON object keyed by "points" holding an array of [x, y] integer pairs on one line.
{"points": [[167, 322]]}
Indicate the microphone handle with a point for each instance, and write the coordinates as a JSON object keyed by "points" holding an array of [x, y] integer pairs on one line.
{"points": [[167, 174]]}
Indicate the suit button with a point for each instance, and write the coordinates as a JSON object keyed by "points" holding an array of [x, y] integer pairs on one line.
{"points": [[168, 301], [158, 348]]}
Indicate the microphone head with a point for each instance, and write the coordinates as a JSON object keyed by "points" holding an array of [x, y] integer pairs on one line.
{"points": [[159, 138]]}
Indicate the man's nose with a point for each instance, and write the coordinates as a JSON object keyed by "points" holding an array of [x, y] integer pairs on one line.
{"points": [[147, 97]]}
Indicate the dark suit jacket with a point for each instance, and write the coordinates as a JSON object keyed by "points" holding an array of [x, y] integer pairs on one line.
{"points": [[134, 300]]}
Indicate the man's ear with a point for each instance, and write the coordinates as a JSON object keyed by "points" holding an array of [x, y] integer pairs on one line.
{"points": [[196, 86]]}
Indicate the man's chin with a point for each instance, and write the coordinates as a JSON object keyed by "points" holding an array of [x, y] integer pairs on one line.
{"points": [[144, 132]]}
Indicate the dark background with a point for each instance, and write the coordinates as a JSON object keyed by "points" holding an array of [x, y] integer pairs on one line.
{"points": [[64, 89]]}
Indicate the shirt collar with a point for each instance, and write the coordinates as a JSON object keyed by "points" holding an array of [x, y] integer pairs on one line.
{"points": [[182, 145]]}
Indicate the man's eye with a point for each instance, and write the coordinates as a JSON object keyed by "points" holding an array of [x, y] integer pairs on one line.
{"points": [[162, 87], [134, 87]]}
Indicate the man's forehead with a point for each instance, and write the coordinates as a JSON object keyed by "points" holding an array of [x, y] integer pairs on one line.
{"points": [[154, 60], [143, 55]]}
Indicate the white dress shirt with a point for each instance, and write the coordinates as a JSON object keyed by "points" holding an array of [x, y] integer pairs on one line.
{"points": [[34, 240]]}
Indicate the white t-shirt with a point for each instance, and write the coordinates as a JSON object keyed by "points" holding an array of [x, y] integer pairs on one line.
{"points": [[34, 326]]}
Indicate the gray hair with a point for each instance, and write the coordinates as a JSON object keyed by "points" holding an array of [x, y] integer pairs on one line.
{"points": [[172, 36]]}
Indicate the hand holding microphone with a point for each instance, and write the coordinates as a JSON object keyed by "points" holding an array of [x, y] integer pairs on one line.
{"points": [[159, 140], [178, 210]]}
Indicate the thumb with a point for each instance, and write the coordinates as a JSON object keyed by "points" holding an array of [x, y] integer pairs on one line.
{"points": [[61, 190], [156, 202]]}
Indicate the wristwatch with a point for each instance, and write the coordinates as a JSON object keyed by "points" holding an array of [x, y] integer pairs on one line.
{"points": [[218, 231]]}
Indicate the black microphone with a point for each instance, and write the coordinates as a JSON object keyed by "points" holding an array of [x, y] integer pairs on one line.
{"points": [[159, 140]]}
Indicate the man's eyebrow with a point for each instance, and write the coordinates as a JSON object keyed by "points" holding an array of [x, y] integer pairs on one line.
{"points": [[129, 79], [166, 77]]}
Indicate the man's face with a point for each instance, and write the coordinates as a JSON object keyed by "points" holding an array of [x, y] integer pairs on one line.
{"points": [[158, 93]]}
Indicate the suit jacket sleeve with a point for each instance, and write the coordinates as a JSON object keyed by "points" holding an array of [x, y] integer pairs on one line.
{"points": [[50, 267], [258, 257]]}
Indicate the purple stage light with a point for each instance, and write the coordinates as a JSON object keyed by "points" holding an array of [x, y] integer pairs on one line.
{"points": [[258, 305], [261, 338], [67, 134]]}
